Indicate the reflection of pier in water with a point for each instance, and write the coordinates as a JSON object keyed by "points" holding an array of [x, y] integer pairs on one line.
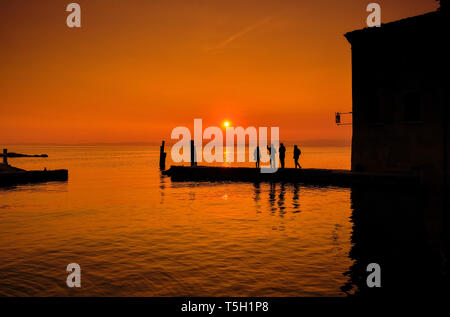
{"points": [[276, 198], [400, 230], [404, 231]]}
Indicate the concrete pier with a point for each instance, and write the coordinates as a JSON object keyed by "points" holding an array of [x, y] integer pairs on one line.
{"points": [[10, 175], [343, 178]]}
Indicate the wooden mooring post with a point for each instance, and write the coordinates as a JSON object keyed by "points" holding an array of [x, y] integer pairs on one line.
{"points": [[162, 157], [193, 156], [5, 156]]}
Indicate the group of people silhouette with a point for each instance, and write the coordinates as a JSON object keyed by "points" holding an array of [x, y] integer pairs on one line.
{"points": [[282, 155]]}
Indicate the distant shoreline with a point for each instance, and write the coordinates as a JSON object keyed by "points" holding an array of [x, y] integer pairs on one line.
{"points": [[12, 154]]}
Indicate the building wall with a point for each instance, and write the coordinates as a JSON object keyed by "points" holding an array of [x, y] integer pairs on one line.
{"points": [[394, 72]]}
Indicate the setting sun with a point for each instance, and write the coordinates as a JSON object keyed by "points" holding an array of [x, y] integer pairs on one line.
{"points": [[226, 124]]}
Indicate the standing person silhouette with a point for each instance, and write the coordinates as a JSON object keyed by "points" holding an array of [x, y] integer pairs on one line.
{"points": [[257, 156], [297, 153], [272, 152], [282, 154]]}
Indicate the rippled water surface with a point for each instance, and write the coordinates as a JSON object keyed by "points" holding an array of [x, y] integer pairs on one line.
{"points": [[135, 233]]}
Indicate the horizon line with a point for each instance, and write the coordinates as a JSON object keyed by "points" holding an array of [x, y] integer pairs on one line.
{"points": [[321, 142]]}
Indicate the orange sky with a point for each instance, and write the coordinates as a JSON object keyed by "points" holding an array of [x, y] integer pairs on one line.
{"points": [[137, 69]]}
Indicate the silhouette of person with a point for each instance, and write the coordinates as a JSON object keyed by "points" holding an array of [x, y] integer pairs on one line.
{"points": [[257, 156], [282, 154], [272, 152], [297, 153]]}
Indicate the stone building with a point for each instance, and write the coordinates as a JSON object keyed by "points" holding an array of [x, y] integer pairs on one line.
{"points": [[400, 97]]}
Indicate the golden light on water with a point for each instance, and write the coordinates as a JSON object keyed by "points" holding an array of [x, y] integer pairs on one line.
{"points": [[106, 200]]}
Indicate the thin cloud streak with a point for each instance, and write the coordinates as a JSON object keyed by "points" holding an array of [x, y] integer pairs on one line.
{"points": [[241, 33]]}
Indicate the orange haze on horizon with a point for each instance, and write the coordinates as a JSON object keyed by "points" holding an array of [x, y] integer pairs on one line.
{"points": [[137, 69]]}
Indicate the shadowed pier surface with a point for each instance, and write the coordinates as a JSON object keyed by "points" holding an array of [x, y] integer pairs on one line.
{"points": [[10, 175], [290, 175]]}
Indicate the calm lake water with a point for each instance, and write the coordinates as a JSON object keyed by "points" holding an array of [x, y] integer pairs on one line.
{"points": [[135, 233]]}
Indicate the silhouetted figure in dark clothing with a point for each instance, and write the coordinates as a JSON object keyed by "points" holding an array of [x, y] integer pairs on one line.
{"points": [[282, 151], [297, 153], [257, 156], [272, 152]]}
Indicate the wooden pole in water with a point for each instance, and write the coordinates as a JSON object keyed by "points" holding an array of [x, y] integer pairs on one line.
{"points": [[5, 156], [193, 162], [162, 156]]}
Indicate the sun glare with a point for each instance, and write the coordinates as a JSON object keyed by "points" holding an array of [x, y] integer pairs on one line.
{"points": [[226, 124]]}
